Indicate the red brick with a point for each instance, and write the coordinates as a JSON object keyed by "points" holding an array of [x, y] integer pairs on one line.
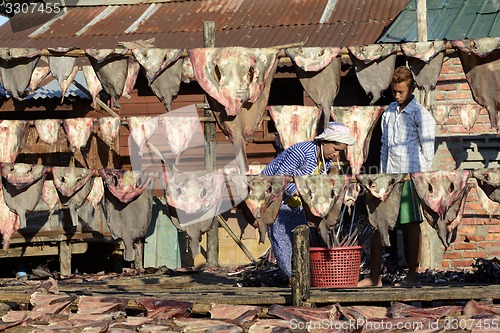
{"points": [[467, 230], [473, 221], [473, 206], [482, 128], [474, 254], [492, 237], [489, 245], [495, 252], [483, 113], [464, 246], [493, 228], [452, 255], [452, 121], [477, 238], [461, 263], [448, 69], [457, 129], [445, 264], [440, 97], [463, 86], [446, 87], [459, 95], [457, 77]]}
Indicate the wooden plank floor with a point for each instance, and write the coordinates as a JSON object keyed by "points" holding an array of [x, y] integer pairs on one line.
{"points": [[202, 289]]}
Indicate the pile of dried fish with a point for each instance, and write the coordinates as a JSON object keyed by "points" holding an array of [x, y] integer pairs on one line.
{"points": [[487, 270], [481, 271], [264, 273], [355, 232]]}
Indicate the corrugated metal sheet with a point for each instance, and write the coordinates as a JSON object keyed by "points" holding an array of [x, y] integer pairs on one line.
{"points": [[448, 20], [249, 23], [53, 89]]}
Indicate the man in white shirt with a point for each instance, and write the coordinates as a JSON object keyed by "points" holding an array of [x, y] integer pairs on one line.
{"points": [[408, 135]]}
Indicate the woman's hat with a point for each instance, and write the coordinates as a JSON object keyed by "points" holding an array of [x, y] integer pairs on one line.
{"points": [[337, 132]]}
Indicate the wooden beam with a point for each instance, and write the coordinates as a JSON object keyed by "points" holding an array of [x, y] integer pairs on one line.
{"points": [[282, 57], [41, 250], [432, 292]]}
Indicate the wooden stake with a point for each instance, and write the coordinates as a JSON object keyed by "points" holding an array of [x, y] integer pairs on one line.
{"points": [[301, 276]]}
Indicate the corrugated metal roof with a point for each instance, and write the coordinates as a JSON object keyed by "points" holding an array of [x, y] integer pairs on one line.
{"points": [[53, 89], [179, 24], [448, 20]]}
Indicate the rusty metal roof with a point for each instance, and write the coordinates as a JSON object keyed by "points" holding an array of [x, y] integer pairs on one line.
{"points": [[179, 24]]}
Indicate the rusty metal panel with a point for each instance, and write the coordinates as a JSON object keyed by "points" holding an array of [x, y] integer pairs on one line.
{"points": [[256, 23]]}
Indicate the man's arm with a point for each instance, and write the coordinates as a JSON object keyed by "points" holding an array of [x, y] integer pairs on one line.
{"points": [[427, 137]]}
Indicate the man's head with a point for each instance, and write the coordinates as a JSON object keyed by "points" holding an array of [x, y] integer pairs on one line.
{"points": [[335, 138], [402, 85]]}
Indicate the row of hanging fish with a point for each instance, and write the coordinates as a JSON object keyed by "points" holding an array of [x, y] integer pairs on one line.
{"points": [[197, 197], [176, 131], [238, 79], [294, 124], [124, 198], [442, 193], [297, 123]]}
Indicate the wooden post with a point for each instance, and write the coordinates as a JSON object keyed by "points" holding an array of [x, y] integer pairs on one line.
{"points": [[428, 244], [301, 276], [65, 258], [422, 20], [209, 131], [421, 95], [138, 250]]}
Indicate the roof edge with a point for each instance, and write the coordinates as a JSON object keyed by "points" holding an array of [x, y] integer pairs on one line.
{"points": [[96, 3]]}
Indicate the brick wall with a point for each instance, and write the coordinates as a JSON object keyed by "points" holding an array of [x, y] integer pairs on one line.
{"points": [[478, 234]]}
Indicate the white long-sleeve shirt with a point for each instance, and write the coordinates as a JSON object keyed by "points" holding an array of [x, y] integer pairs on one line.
{"points": [[407, 139]]}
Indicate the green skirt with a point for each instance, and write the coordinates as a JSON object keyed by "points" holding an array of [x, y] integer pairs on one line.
{"points": [[409, 209]]}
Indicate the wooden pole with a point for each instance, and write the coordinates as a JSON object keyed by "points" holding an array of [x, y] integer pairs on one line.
{"points": [[301, 276], [231, 233], [422, 20], [209, 131], [65, 258], [429, 240]]}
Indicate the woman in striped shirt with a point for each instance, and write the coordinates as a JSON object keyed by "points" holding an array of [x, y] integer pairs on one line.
{"points": [[303, 158]]}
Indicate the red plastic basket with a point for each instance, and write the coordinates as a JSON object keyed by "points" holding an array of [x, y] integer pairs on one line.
{"points": [[335, 267]]}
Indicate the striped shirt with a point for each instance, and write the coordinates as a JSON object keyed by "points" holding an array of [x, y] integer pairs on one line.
{"points": [[297, 160], [407, 139]]}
